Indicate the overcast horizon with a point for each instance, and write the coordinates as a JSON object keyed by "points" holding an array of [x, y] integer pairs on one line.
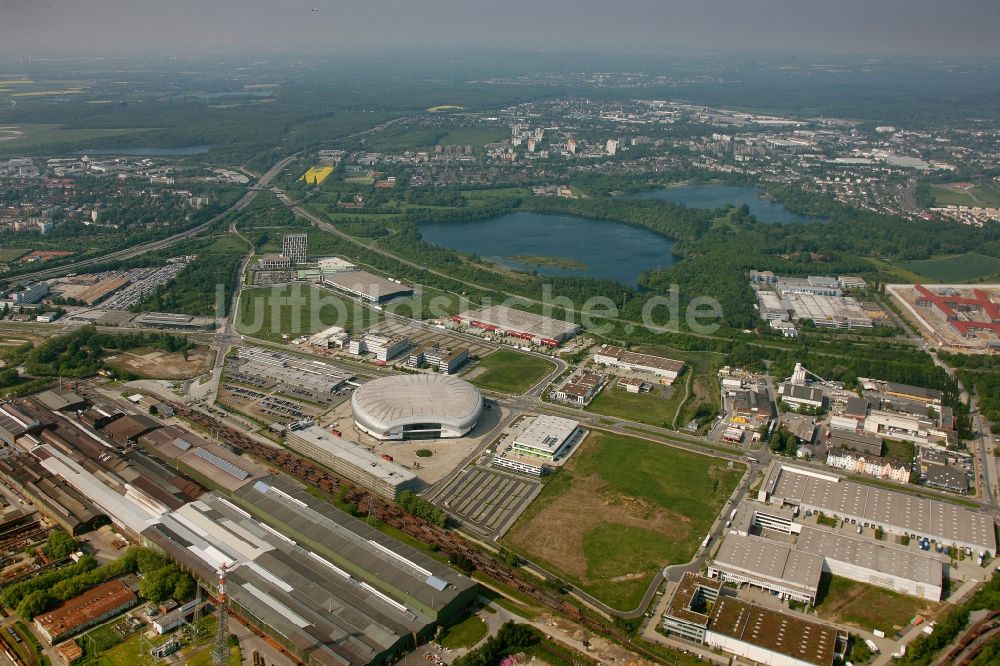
{"points": [[61, 28]]}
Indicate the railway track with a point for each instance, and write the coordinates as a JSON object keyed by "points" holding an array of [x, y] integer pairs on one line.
{"points": [[390, 513]]}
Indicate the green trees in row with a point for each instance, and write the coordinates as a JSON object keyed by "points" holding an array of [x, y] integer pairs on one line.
{"points": [[161, 579], [421, 508], [510, 638]]}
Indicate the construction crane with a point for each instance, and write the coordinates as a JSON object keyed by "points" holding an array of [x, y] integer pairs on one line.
{"points": [[220, 652]]}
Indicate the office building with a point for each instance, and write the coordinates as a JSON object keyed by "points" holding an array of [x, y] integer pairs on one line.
{"points": [[295, 247]]}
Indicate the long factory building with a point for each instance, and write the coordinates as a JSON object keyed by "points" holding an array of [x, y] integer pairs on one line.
{"points": [[868, 506], [329, 588], [527, 326], [352, 462], [792, 569], [701, 611]]}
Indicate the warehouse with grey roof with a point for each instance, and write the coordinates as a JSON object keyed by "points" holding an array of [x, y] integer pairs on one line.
{"points": [[895, 512], [328, 588]]}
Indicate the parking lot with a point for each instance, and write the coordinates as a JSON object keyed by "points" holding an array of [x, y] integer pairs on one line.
{"points": [[488, 500], [421, 336]]}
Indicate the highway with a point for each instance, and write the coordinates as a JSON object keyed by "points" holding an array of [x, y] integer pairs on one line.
{"points": [[137, 250]]}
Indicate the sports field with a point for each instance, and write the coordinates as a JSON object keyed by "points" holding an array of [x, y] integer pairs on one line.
{"points": [[621, 509], [510, 371], [298, 309], [969, 267]]}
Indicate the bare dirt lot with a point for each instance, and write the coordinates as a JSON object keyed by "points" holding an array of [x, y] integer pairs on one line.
{"points": [[558, 532], [152, 363]]}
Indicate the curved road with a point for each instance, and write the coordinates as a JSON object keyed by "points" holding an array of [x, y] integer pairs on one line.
{"points": [[128, 253]]}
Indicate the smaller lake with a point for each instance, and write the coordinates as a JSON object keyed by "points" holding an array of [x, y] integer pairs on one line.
{"points": [[609, 250], [719, 196], [152, 152]]}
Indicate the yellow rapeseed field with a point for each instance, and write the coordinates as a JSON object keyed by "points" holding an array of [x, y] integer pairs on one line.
{"points": [[317, 175]]}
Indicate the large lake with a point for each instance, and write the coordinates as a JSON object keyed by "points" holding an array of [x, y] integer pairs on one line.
{"points": [[719, 196], [609, 250]]}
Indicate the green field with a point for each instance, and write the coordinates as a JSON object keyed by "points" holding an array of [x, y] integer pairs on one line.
{"points": [[621, 509], [511, 372], [868, 607], [298, 309], [25, 137], [477, 137], [694, 394], [649, 408], [960, 268], [11, 253], [987, 196], [465, 634]]}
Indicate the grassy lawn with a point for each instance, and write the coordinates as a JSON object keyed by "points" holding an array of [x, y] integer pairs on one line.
{"points": [[866, 606], [978, 195], [649, 408], [968, 267], [620, 510], [298, 309], [199, 651], [652, 409], [25, 650], [428, 303], [11, 253], [510, 371], [898, 450], [477, 137], [465, 634]]}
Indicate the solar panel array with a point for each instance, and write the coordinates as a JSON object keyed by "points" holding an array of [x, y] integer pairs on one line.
{"points": [[222, 464]]}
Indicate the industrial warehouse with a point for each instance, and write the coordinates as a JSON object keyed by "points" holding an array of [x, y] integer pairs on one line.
{"points": [[700, 610], [502, 320], [324, 586], [330, 589], [416, 407], [616, 357], [351, 461], [817, 299], [792, 568], [367, 286], [894, 512]]}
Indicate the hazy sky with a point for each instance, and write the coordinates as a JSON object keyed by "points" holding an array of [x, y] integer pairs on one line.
{"points": [[37, 27]]}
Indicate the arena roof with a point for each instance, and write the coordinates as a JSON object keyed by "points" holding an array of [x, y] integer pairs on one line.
{"points": [[384, 404]]}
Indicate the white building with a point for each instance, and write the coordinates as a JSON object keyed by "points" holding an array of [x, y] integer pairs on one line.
{"points": [[335, 337], [384, 346], [874, 466], [612, 146], [546, 437]]}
